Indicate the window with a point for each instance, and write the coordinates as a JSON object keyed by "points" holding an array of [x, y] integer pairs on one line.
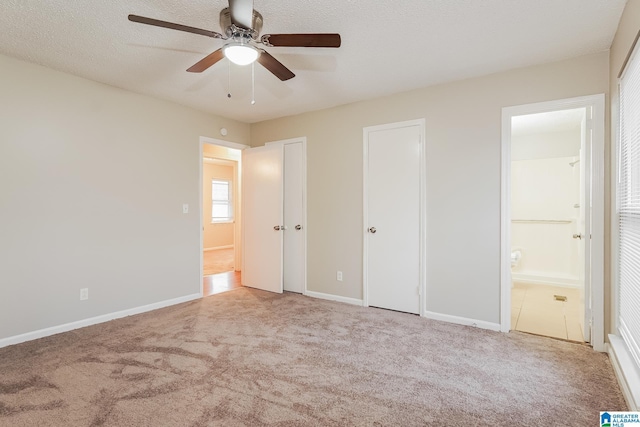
{"points": [[628, 193], [221, 201]]}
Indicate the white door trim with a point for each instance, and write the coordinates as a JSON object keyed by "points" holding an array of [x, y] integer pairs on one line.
{"points": [[423, 209], [237, 238], [597, 104], [303, 140], [222, 143]]}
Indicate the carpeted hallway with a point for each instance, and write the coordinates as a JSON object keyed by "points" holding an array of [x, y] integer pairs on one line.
{"points": [[251, 358]]}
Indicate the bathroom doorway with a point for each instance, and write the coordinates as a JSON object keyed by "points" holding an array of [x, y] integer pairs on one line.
{"points": [[552, 219], [547, 222]]}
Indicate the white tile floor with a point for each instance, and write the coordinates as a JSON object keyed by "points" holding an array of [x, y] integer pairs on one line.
{"points": [[535, 310]]}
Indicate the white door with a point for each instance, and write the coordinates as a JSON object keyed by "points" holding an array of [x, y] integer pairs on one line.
{"points": [[262, 217], [583, 232], [294, 244], [392, 215]]}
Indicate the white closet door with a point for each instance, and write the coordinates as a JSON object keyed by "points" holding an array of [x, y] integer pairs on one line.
{"points": [[262, 174], [392, 203], [294, 244]]}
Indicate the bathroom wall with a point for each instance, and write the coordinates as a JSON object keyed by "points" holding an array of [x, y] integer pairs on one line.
{"points": [[219, 234], [545, 189], [545, 145]]}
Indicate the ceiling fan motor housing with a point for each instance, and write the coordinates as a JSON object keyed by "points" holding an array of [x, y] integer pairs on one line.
{"points": [[233, 31]]}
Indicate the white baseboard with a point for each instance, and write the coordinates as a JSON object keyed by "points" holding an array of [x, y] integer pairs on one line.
{"points": [[41, 333], [215, 248], [626, 371], [330, 297], [462, 321], [430, 315], [538, 279]]}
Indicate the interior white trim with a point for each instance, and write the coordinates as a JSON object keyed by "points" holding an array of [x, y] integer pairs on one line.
{"points": [[626, 371], [462, 321], [41, 333], [303, 140], [331, 297], [614, 216], [596, 102], [222, 143], [421, 123]]}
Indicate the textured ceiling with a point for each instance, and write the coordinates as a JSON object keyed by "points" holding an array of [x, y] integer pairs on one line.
{"points": [[387, 46]]}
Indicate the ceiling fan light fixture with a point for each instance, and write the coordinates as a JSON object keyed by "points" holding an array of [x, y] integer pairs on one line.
{"points": [[240, 53]]}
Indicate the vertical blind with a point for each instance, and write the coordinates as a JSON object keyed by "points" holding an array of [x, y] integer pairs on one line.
{"points": [[629, 207]]}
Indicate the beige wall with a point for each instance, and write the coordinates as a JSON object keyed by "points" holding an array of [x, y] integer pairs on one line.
{"points": [[215, 234], [626, 34], [463, 136], [92, 182]]}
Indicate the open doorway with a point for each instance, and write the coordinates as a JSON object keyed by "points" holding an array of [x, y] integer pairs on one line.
{"points": [[547, 222], [553, 219], [220, 213]]}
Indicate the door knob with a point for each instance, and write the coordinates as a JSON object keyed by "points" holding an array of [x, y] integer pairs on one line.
{"points": [[298, 227], [277, 228], [372, 230], [577, 236]]}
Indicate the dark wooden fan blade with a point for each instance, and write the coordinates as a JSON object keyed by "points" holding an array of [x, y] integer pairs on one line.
{"points": [[206, 62], [241, 12], [275, 66], [173, 26], [302, 40]]}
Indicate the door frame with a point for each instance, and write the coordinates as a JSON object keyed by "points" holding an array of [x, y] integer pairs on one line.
{"points": [[422, 296], [237, 205], [303, 140], [597, 122]]}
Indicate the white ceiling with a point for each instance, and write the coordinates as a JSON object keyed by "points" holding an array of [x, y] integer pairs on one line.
{"points": [[387, 46]]}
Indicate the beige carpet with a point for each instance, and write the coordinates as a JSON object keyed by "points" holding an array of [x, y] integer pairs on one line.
{"points": [[217, 261], [251, 358]]}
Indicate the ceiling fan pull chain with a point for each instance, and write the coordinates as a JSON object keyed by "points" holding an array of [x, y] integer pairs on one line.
{"points": [[253, 83], [229, 80]]}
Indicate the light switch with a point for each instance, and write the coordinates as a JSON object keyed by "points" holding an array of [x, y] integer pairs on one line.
{"points": [[185, 208]]}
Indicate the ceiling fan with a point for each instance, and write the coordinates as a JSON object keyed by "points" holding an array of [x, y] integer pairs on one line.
{"points": [[242, 25]]}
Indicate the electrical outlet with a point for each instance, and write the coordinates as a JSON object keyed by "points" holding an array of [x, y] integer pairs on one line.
{"points": [[84, 294], [185, 208], [339, 276]]}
